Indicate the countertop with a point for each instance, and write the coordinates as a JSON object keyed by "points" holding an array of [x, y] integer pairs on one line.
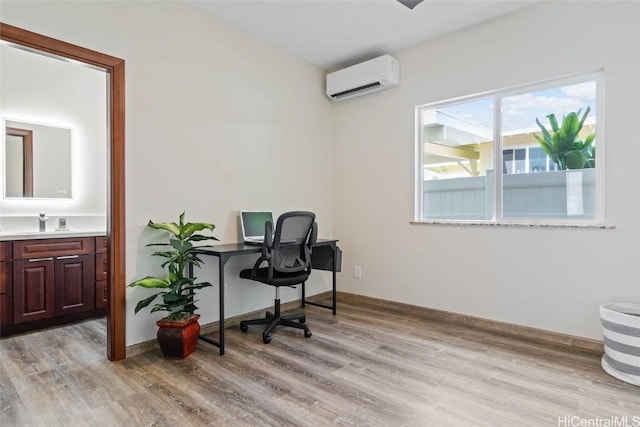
{"points": [[34, 235]]}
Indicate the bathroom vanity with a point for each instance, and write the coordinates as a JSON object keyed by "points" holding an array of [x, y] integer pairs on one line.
{"points": [[49, 281]]}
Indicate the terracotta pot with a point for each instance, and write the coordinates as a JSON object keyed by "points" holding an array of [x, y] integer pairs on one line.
{"points": [[178, 339]]}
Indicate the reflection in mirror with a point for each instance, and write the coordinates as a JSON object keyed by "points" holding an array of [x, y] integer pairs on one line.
{"points": [[19, 170], [38, 160]]}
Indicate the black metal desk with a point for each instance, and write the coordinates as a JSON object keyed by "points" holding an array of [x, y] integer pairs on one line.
{"points": [[225, 252]]}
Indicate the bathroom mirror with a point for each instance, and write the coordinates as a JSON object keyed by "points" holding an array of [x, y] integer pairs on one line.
{"points": [[38, 161]]}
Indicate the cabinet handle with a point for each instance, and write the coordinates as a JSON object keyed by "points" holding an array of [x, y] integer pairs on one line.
{"points": [[41, 259], [68, 257]]}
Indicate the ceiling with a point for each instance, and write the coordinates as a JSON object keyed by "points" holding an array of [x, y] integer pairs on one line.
{"points": [[337, 33]]}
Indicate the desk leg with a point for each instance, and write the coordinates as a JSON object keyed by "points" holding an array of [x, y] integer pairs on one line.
{"points": [[335, 267], [334, 247], [221, 262]]}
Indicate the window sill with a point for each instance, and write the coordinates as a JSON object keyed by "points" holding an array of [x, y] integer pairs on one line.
{"points": [[513, 225]]}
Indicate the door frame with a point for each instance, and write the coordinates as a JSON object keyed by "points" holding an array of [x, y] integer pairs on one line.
{"points": [[114, 67]]}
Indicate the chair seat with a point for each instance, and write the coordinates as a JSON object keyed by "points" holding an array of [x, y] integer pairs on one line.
{"points": [[279, 279]]}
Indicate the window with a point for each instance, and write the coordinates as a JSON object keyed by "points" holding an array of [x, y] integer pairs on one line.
{"points": [[542, 135]]}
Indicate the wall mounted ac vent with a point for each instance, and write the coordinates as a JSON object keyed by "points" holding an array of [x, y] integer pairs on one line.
{"points": [[367, 77], [360, 90]]}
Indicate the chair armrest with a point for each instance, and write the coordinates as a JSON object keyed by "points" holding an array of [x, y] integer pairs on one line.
{"points": [[313, 236], [267, 243], [256, 266]]}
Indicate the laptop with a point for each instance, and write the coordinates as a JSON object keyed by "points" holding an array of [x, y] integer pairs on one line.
{"points": [[252, 225]]}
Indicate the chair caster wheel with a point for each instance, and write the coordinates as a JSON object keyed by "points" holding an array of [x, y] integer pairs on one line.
{"points": [[243, 327], [307, 333], [304, 319], [266, 339]]}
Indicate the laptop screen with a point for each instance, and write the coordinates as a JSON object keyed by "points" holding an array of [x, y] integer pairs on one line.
{"points": [[252, 222]]}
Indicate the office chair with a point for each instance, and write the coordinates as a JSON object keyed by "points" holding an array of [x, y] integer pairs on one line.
{"points": [[287, 255]]}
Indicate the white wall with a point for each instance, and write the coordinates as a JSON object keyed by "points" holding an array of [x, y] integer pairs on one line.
{"points": [[216, 121], [548, 278], [241, 125]]}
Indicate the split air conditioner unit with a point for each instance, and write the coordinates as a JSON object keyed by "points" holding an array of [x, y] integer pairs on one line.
{"points": [[367, 77]]}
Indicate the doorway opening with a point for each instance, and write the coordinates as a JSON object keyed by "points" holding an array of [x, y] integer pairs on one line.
{"points": [[115, 70]]}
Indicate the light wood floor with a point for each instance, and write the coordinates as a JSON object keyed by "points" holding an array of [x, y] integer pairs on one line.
{"points": [[360, 368]]}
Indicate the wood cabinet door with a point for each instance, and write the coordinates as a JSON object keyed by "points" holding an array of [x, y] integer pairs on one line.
{"points": [[5, 294], [5, 311], [5, 279], [74, 284], [33, 290]]}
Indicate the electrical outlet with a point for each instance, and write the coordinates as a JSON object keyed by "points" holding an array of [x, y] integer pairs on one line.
{"points": [[357, 271]]}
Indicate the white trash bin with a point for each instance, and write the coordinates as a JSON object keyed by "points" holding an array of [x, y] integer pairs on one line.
{"points": [[621, 330]]}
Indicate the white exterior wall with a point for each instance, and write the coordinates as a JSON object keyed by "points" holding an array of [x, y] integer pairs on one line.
{"points": [[548, 278]]}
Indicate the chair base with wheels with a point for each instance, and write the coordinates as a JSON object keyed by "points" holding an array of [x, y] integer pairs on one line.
{"points": [[275, 319]]}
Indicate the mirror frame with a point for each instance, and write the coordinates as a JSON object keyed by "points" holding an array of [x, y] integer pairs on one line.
{"points": [[114, 67]]}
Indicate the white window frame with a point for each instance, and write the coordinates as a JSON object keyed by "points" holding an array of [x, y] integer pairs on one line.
{"points": [[498, 95]]}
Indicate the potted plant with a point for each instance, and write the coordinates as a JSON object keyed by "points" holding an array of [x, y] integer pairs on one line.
{"points": [[178, 332], [564, 145]]}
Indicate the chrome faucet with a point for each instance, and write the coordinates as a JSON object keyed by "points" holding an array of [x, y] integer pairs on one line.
{"points": [[43, 218]]}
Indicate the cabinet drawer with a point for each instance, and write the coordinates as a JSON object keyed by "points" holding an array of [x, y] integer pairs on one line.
{"points": [[5, 251], [102, 293], [4, 277], [29, 249], [102, 266], [102, 244]]}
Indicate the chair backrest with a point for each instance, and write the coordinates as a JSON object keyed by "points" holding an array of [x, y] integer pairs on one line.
{"points": [[295, 233]]}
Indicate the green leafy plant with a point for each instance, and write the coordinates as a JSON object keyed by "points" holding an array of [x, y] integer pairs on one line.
{"points": [[177, 289], [563, 143]]}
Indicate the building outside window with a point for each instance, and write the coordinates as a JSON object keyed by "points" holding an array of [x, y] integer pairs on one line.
{"points": [[542, 135], [526, 160]]}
